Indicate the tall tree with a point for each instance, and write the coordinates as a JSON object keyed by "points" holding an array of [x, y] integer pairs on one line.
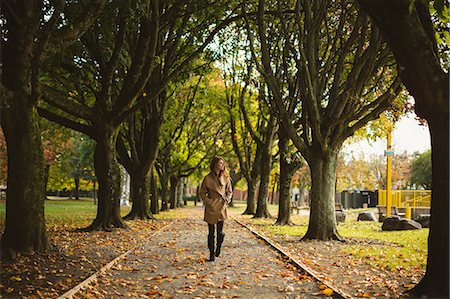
{"points": [[103, 79], [266, 143], [233, 71], [193, 133], [409, 31], [154, 201], [290, 162], [34, 32], [180, 40], [263, 133], [326, 59]]}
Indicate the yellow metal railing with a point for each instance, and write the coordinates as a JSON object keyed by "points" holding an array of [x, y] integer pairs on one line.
{"points": [[406, 198]]}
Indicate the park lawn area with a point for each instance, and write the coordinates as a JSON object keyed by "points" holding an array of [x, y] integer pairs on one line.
{"points": [[370, 263], [68, 212], [72, 255], [75, 213], [407, 248]]}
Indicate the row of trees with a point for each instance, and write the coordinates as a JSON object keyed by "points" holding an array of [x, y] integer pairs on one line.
{"points": [[311, 73], [409, 172]]}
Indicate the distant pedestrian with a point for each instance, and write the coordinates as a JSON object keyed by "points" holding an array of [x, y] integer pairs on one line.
{"points": [[216, 192]]}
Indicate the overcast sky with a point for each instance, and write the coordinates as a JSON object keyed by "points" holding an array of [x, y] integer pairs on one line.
{"points": [[408, 136]]}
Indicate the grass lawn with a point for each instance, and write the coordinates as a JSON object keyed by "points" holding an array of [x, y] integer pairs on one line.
{"points": [[395, 260], [406, 248], [76, 213]]}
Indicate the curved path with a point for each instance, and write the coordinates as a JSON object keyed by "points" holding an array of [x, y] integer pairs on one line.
{"points": [[173, 265]]}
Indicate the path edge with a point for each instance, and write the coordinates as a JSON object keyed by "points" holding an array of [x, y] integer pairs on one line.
{"points": [[337, 293], [87, 281]]}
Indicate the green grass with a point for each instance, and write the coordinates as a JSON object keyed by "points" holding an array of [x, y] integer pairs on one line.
{"points": [[393, 249], [79, 213], [67, 212]]}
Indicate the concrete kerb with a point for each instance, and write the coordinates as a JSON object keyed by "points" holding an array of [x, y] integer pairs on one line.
{"points": [[93, 277], [337, 293]]}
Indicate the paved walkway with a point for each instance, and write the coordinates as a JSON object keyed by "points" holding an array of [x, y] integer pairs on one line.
{"points": [[173, 265]]}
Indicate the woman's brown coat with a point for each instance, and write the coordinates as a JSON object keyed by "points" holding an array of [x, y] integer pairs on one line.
{"points": [[216, 193]]}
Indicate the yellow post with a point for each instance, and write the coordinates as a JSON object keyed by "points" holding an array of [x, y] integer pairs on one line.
{"points": [[389, 176], [408, 212]]}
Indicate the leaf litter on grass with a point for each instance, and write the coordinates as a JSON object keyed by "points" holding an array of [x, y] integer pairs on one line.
{"points": [[72, 257], [371, 263]]}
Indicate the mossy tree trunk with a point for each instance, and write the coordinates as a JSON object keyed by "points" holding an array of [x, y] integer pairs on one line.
{"points": [[46, 175], [107, 172], [154, 203], [25, 224], [261, 203], [322, 219], [174, 185], [287, 170], [77, 187], [408, 30], [251, 194], [164, 180], [266, 166], [140, 195]]}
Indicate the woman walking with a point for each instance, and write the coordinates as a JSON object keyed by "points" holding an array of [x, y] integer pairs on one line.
{"points": [[216, 193]]}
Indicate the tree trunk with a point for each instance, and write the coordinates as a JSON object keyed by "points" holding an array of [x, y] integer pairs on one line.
{"points": [[46, 175], [107, 172], [94, 192], [164, 192], [272, 199], [284, 202], [408, 30], [261, 207], [287, 171], [140, 197], [77, 187], [435, 283], [233, 186], [25, 223], [252, 182], [182, 193], [251, 203], [154, 205], [322, 219], [174, 183], [265, 167]]}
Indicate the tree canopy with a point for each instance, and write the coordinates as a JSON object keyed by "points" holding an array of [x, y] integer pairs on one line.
{"points": [[421, 170]]}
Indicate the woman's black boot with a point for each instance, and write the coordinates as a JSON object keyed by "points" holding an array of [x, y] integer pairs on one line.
{"points": [[220, 238], [211, 248]]}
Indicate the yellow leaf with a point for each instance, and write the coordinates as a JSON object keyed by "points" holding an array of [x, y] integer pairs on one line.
{"points": [[327, 292], [16, 278]]}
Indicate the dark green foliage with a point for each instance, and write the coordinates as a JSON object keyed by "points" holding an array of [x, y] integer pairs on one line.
{"points": [[421, 170]]}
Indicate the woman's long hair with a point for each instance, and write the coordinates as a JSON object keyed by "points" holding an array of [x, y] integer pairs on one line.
{"points": [[214, 161]]}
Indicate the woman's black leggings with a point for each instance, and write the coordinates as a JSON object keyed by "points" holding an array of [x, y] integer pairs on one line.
{"points": [[219, 226]]}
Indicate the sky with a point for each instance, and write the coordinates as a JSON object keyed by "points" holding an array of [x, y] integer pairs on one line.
{"points": [[408, 136]]}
